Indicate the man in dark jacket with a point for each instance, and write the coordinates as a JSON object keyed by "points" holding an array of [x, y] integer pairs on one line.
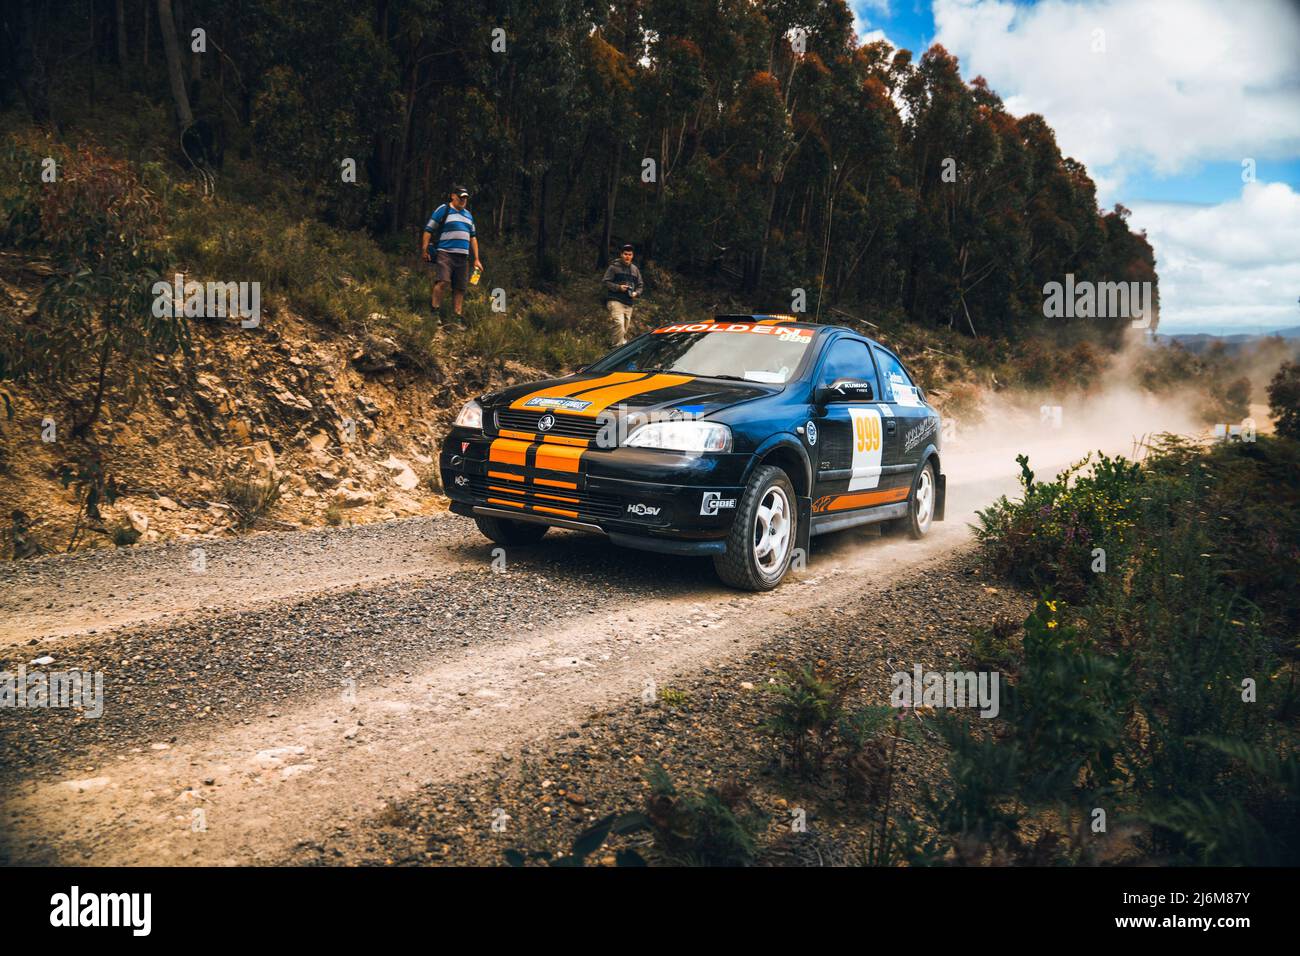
{"points": [[623, 286]]}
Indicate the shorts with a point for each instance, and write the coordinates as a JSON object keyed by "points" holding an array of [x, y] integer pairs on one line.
{"points": [[451, 267]]}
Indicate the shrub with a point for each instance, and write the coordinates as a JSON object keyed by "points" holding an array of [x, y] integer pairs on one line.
{"points": [[1136, 698], [103, 232], [1284, 400], [251, 498], [804, 716]]}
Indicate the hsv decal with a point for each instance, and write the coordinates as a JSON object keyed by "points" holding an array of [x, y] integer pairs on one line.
{"points": [[868, 440]]}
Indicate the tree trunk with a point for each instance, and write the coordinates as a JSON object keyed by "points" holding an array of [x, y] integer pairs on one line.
{"points": [[175, 74], [399, 164], [33, 81], [611, 197], [542, 268], [90, 59], [146, 37], [121, 40]]}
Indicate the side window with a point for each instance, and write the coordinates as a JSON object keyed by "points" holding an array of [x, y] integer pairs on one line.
{"points": [[898, 384], [849, 358]]}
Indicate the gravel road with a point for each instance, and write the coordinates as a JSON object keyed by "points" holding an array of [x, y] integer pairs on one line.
{"points": [[304, 683]]}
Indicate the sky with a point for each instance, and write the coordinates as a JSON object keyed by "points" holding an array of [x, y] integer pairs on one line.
{"points": [[1187, 112]]}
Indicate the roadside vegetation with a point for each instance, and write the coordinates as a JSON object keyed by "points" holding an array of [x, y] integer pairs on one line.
{"points": [[1149, 703]]}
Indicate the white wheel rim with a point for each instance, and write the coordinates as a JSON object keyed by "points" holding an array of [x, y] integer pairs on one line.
{"points": [[924, 499], [771, 531]]}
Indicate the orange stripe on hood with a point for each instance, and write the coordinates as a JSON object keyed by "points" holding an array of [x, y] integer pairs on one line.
{"points": [[604, 397], [565, 389]]}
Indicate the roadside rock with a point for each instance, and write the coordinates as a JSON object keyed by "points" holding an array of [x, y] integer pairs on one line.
{"points": [[403, 475]]}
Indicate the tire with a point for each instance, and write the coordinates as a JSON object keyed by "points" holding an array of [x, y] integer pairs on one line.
{"points": [[505, 531], [920, 505], [768, 511]]}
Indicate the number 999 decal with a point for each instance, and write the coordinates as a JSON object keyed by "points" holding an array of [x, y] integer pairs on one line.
{"points": [[867, 446]]}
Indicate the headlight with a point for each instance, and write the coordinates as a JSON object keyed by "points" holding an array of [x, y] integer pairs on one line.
{"points": [[471, 416], [682, 436]]}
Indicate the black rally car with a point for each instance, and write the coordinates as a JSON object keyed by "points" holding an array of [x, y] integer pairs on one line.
{"points": [[737, 438]]}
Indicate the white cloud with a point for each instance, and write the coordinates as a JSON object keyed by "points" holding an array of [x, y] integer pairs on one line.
{"points": [[865, 14], [1230, 266], [1179, 81]]}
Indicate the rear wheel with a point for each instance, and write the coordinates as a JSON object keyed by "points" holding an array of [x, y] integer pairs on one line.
{"points": [[506, 531], [920, 510], [762, 538]]}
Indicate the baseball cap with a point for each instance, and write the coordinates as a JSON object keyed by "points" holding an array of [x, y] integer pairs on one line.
{"points": [[627, 247], [459, 191]]}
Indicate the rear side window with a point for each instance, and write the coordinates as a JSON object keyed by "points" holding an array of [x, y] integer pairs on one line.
{"points": [[849, 358], [898, 384]]}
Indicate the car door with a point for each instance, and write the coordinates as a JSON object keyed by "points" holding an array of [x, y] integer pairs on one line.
{"points": [[851, 450], [915, 420]]}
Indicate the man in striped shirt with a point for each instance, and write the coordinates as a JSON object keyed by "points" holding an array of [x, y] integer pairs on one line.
{"points": [[451, 228]]}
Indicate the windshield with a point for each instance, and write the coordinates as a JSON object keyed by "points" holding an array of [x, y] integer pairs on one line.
{"points": [[770, 354]]}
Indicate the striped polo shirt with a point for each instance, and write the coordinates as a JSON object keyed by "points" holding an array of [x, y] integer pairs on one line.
{"points": [[458, 229]]}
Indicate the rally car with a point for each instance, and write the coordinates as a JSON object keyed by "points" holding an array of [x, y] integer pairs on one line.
{"points": [[738, 438]]}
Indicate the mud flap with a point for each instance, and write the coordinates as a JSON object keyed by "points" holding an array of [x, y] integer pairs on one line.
{"points": [[804, 534], [940, 496]]}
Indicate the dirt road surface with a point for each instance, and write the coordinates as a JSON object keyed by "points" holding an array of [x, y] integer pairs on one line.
{"points": [[301, 681]]}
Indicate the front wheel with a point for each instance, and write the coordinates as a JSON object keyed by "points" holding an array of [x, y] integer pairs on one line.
{"points": [[505, 531], [762, 538]]}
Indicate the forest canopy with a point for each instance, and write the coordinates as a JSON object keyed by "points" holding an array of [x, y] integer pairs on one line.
{"points": [[755, 142]]}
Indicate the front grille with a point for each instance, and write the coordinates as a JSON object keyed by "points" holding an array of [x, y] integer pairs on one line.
{"points": [[568, 426], [587, 505]]}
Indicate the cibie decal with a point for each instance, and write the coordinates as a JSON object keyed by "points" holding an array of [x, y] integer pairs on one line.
{"points": [[811, 431], [564, 404], [713, 502], [546, 422], [780, 331], [868, 441], [642, 509]]}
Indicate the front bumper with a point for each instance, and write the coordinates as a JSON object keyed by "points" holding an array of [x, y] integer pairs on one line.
{"points": [[670, 502]]}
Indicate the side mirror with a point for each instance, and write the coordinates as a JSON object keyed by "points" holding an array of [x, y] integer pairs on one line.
{"points": [[844, 390]]}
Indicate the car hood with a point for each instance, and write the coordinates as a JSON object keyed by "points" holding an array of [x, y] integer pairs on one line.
{"points": [[588, 394]]}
